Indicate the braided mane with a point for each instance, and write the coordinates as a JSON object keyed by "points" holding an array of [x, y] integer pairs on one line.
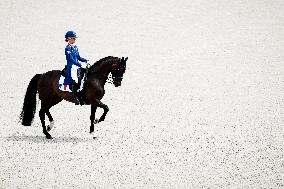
{"points": [[101, 61]]}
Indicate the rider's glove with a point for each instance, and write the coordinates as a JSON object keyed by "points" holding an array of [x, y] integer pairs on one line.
{"points": [[84, 65]]}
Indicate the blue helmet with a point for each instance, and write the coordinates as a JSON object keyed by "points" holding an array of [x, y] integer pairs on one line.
{"points": [[70, 34]]}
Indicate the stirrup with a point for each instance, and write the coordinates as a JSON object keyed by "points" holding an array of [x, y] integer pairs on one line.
{"points": [[77, 101], [80, 98]]}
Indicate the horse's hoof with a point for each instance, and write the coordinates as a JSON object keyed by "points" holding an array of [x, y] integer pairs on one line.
{"points": [[49, 137], [95, 135], [92, 129], [100, 120], [50, 126]]}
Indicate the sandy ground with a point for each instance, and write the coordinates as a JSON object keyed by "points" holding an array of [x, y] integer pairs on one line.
{"points": [[201, 104]]}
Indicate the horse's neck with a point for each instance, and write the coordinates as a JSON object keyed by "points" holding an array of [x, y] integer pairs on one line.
{"points": [[101, 72]]}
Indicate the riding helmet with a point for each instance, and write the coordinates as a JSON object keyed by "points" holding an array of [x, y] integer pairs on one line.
{"points": [[70, 34]]}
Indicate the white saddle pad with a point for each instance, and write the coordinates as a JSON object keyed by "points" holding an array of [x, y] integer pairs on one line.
{"points": [[67, 88]]}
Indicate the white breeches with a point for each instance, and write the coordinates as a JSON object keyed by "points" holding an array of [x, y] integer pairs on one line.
{"points": [[74, 73]]}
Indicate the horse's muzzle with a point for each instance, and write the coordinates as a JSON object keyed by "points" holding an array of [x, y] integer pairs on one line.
{"points": [[117, 83]]}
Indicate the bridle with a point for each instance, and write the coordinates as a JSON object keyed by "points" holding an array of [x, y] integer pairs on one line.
{"points": [[114, 77]]}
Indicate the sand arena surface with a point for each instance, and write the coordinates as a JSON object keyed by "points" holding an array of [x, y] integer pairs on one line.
{"points": [[201, 104]]}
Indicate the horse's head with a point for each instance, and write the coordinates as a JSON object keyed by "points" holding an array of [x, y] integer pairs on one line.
{"points": [[118, 70]]}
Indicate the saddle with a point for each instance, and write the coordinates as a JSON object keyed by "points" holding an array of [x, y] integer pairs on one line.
{"points": [[67, 84], [65, 81]]}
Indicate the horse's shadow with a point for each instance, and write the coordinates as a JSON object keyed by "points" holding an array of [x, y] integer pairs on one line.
{"points": [[42, 139]]}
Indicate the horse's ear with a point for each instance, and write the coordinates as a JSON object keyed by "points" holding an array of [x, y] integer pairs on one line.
{"points": [[122, 59]]}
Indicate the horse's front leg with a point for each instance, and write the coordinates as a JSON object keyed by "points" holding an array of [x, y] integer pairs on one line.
{"points": [[92, 117], [98, 103]]}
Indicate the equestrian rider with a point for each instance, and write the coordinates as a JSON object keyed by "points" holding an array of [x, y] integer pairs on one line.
{"points": [[74, 67]]}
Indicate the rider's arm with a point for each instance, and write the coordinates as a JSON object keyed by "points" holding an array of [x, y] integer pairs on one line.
{"points": [[70, 58], [81, 59]]}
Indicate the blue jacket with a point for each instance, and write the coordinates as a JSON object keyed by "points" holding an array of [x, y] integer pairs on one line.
{"points": [[72, 56]]}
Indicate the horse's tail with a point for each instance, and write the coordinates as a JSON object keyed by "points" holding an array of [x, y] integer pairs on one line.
{"points": [[29, 106]]}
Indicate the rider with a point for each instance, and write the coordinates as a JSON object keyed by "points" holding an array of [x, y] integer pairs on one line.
{"points": [[73, 66]]}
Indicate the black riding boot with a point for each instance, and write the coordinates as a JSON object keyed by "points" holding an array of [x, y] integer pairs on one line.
{"points": [[75, 94], [79, 94]]}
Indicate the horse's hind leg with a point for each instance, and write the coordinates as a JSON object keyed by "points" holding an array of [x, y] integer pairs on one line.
{"points": [[51, 121], [42, 119], [55, 100], [46, 104]]}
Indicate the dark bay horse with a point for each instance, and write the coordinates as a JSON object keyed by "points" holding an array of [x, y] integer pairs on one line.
{"points": [[46, 85]]}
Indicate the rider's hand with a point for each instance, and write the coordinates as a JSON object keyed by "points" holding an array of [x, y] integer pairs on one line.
{"points": [[88, 64], [84, 65]]}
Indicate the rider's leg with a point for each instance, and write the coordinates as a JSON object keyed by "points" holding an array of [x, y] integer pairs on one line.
{"points": [[74, 92], [75, 86], [80, 76]]}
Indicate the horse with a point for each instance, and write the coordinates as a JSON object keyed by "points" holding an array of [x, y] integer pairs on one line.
{"points": [[46, 85]]}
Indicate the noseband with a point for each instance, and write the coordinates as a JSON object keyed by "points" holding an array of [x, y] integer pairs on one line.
{"points": [[117, 77]]}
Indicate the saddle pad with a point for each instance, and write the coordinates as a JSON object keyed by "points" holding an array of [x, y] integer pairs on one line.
{"points": [[67, 88]]}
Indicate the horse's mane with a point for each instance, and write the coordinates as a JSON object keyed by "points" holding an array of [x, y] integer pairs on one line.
{"points": [[101, 61]]}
